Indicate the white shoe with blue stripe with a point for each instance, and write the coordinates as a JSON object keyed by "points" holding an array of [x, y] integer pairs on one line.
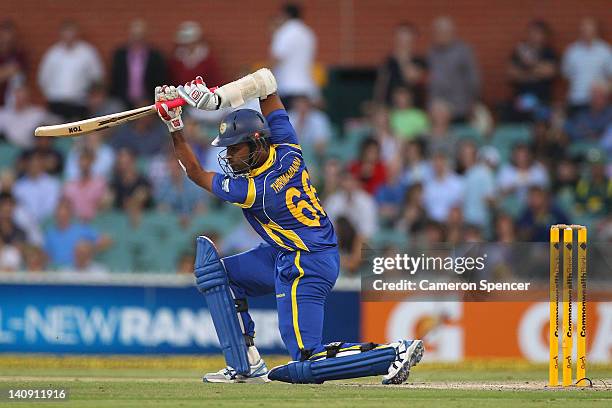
{"points": [[409, 354], [258, 374]]}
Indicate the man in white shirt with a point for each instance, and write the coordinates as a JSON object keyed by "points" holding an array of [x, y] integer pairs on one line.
{"points": [[587, 60], [37, 191], [67, 70], [293, 50], [443, 190]]}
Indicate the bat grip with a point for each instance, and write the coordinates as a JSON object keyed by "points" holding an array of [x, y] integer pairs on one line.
{"points": [[174, 103]]}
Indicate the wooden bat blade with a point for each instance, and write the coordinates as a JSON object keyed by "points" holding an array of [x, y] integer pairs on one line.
{"points": [[94, 124]]}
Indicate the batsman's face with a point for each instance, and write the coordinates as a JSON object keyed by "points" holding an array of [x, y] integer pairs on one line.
{"points": [[238, 156]]}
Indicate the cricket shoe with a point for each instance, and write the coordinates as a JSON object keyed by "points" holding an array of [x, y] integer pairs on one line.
{"points": [[409, 353], [258, 374]]}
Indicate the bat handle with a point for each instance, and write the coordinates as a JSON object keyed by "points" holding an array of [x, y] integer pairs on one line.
{"points": [[174, 103]]}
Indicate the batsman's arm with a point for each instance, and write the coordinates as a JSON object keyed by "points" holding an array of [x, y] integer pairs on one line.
{"points": [[270, 104], [190, 163]]}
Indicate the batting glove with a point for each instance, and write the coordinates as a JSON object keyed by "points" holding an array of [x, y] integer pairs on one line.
{"points": [[171, 117], [196, 94]]}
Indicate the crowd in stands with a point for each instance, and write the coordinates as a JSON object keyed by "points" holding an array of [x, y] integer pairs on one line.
{"points": [[428, 161]]}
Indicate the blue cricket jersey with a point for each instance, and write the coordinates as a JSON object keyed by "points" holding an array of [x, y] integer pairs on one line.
{"points": [[277, 198]]}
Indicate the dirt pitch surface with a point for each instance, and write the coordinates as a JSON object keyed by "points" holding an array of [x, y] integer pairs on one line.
{"points": [[176, 382]]}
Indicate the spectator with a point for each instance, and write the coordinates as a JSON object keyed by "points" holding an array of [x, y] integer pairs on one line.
{"points": [[355, 204], [12, 62], [479, 176], [332, 175], [185, 263], [99, 103], [505, 231], [412, 218], [591, 123], [129, 186], [35, 259], [532, 68], [192, 57], [18, 120], [515, 178], [293, 51], [587, 60], [10, 258], [407, 121], [83, 260], [594, 190], [416, 168], [179, 194], [53, 160], [453, 74], [37, 191], [104, 157], [455, 226], [380, 124], [86, 194], [350, 245], [440, 136], [534, 224], [145, 137], [442, 191], [62, 238], [312, 125], [390, 196], [10, 233], [369, 168], [66, 72], [137, 67], [403, 68]]}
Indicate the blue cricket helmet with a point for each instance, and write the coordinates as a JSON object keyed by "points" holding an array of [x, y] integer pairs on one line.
{"points": [[242, 125]]}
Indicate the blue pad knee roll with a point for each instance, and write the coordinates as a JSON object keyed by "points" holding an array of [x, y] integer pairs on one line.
{"points": [[212, 281], [362, 364]]}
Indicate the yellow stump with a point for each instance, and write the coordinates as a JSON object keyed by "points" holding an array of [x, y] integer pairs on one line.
{"points": [[553, 364], [582, 313], [566, 343]]}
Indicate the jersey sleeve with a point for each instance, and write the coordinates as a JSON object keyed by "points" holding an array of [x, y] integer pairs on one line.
{"points": [[281, 129], [239, 191]]}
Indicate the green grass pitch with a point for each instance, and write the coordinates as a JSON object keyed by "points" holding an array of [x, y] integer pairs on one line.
{"points": [[176, 382]]}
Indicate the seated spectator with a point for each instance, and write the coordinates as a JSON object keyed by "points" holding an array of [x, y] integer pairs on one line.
{"points": [[37, 191], [104, 157], [99, 103], [86, 194], [407, 121], [332, 175], [455, 226], [192, 57], [368, 168], [13, 64], [185, 263], [479, 182], [403, 68], [352, 202], [412, 217], [10, 258], [390, 147], [52, 158], [443, 190], [505, 231], [586, 61], [145, 137], [453, 74], [390, 196], [293, 50], [532, 68], [179, 194], [62, 238], [591, 122], [67, 71], [350, 245], [35, 259], [10, 233], [128, 185], [137, 67], [534, 224], [312, 125], [84, 262], [516, 177], [594, 190], [19, 119], [440, 136], [416, 167]]}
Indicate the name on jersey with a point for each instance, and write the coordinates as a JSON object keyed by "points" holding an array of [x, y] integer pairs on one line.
{"points": [[284, 178]]}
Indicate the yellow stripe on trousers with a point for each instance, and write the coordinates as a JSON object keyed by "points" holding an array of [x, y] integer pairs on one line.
{"points": [[294, 308]]}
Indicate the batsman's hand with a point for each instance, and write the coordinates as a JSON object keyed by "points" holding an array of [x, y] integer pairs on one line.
{"points": [[196, 94], [171, 117]]}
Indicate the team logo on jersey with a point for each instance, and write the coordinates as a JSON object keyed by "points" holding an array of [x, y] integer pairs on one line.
{"points": [[225, 184], [222, 127]]}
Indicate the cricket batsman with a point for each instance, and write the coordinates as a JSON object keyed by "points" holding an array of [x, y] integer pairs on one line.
{"points": [[266, 176]]}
